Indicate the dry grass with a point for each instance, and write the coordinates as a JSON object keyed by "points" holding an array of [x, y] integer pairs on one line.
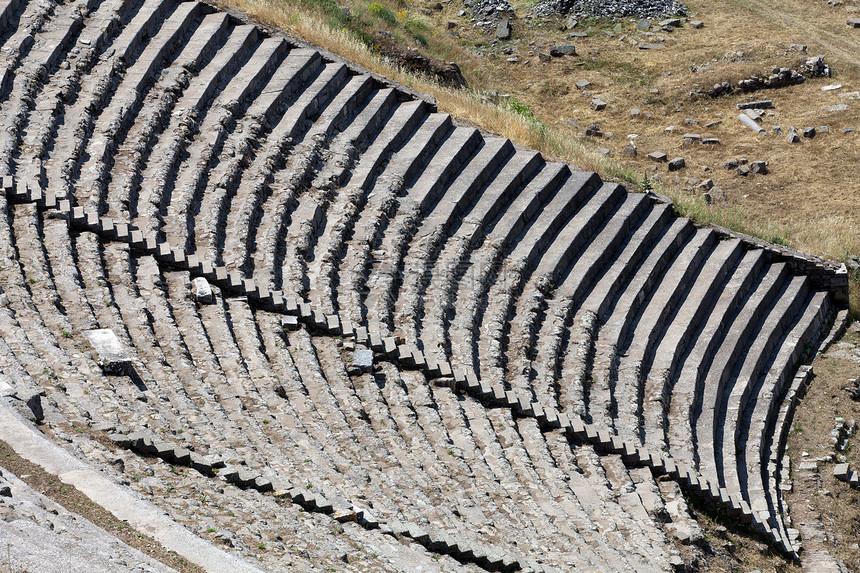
{"points": [[811, 198]]}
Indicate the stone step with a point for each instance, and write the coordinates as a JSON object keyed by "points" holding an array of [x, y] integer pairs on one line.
{"points": [[127, 99], [708, 411], [553, 339], [158, 173], [759, 358], [611, 389], [762, 410], [187, 197], [61, 168], [563, 260], [684, 377], [653, 320], [411, 207], [8, 10], [679, 335]]}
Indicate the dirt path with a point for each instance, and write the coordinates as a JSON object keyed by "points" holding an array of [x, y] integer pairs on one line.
{"points": [[820, 28]]}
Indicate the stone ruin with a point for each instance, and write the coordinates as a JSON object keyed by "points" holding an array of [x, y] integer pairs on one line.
{"points": [[545, 362]]}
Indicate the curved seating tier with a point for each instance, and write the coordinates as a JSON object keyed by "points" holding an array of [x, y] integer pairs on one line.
{"points": [[546, 344]]}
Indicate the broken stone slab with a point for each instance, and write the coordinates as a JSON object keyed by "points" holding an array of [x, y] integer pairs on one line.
{"points": [[697, 24], [809, 132], [761, 104], [841, 471], [692, 138], [562, 50], [651, 46], [658, 156], [363, 359], [593, 130], [290, 322], [853, 22], [810, 466], [583, 84], [111, 355], [759, 167], [754, 114], [710, 141], [202, 291], [677, 164], [748, 121], [792, 136], [598, 104], [503, 30]]}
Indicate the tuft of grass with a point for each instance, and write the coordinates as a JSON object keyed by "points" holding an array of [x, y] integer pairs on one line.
{"points": [[383, 13]]}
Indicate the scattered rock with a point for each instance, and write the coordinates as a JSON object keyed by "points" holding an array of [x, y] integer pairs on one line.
{"points": [[201, 291], [854, 22], [598, 104], [630, 150], [706, 185], [761, 104], [759, 167], [730, 164], [573, 123], [544, 57], [743, 170], [649, 9], [697, 24], [816, 68], [651, 46], [111, 353], [583, 84], [562, 50], [635, 112], [593, 130], [677, 164], [710, 141], [657, 156], [503, 30], [809, 132], [792, 136]]}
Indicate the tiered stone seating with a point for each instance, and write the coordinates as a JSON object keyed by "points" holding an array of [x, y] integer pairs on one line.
{"points": [[546, 344]]}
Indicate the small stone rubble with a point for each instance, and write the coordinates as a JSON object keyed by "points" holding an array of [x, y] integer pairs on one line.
{"points": [[777, 78], [611, 8], [493, 9]]}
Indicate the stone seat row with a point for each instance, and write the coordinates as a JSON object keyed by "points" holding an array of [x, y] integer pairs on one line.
{"points": [[145, 287], [411, 357]]}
